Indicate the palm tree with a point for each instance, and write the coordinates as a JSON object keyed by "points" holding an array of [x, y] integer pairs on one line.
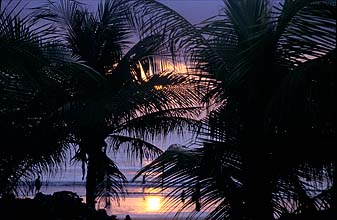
{"points": [[138, 97], [275, 66], [34, 73]]}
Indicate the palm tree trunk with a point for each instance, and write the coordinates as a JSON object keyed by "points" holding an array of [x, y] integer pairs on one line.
{"points": [[237, 209], [256, 167], [334, 190], [93, 145], [257, 188], [91, 181]]}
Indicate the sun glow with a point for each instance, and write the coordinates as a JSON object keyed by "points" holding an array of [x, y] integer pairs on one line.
{"points": [[153, 203]]}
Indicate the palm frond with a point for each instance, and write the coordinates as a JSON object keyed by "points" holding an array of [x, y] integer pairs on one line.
{"points": [[185, 169], [302, 113], [305, 30], [98, 39], [180, 35], [111, 181], [135, 147], [161, 123]]}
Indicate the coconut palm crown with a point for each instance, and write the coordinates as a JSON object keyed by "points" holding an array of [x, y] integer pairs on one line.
{"points": [[272, 133], [138, 97]]}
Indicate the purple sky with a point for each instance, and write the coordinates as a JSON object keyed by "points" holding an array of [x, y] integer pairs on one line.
{"points": [[194, 10]]}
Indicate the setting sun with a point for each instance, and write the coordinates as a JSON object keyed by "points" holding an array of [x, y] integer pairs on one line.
{"points": [[153, 203]]}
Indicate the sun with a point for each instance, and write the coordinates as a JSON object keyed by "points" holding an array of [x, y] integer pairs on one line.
{"points": [[153, 203]]}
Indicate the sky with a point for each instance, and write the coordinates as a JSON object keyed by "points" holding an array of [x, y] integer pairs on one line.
{"points": [[194, 10]]}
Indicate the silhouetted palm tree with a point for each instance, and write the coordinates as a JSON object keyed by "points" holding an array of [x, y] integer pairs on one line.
{"points": [[275, 64], [138, 97], [34, 78]]}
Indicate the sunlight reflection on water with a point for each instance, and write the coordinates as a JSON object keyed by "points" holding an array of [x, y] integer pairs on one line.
{"points": [[145, 207], [138, 204]]}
